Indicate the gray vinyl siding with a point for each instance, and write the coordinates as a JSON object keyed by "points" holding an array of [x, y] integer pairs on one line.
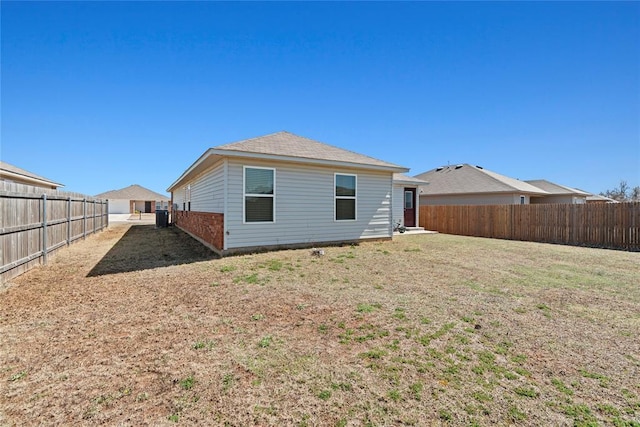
{"points": [[207, 190], [178, 198], [474, 199], [304, 206], [398, 203]]}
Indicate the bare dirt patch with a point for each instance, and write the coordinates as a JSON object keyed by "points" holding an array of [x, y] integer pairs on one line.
{"points": [[139, 326]]}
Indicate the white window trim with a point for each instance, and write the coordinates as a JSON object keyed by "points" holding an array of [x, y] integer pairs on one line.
{"points": [[523, 200], [336, 197], [244, 195]]}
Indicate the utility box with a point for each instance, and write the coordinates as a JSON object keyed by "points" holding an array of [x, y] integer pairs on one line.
{"points": [[162, 218]]}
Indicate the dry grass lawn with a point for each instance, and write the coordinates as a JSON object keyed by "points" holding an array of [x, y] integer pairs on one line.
{"points": [[138, 326]]}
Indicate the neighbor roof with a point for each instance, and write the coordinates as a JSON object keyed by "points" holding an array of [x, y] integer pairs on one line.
{"points": [[286, 146], [133, 192], [468, 179], [11, 172], [600, 198], [556, 189]]}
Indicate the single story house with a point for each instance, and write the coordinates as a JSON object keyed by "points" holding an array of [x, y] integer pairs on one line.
{"points": [[15, 174], [283, 190], [134, 198], [558, 193], [465, 184]]}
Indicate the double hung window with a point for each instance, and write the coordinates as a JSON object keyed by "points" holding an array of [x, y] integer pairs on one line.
{"points": [[345, 197], [259, 194]]}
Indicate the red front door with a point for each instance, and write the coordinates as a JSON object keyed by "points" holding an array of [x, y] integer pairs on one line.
{"points": [[409, 207]]}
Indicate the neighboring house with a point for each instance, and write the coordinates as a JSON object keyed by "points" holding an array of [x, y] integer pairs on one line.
{"points": [[465, 184], [134, 198], [597, 198], [283, 190], [558, 193], [15, 174], [406, 202]]}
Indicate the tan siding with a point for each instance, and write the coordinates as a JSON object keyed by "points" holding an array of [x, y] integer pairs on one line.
{"points": [[558, 199], [473, 199]]}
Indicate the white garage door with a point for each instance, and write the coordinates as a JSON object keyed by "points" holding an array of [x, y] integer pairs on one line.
{"points": [[118, 206]]}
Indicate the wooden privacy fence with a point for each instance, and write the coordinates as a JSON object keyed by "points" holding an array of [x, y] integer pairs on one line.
{"points": [[34, 222], [603, 225]]}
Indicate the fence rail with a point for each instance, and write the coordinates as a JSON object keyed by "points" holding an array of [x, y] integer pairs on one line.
{"points": [[35, 222], [606, 225]]}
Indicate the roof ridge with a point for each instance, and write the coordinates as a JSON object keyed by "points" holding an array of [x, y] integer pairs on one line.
{"points": [[289, 138], [571, 190], [253, 138], [491, 173]]}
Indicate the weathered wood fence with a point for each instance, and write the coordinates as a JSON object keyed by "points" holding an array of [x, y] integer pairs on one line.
{"points": [[35, 222], [603, 225]]}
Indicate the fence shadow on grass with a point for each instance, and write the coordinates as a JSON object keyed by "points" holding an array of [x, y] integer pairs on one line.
{"points": [[144, 247]]}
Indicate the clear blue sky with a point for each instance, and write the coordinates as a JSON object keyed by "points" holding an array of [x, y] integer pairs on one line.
{"points": [[101, 95]]}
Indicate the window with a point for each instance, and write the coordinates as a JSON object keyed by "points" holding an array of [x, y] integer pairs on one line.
{"points": [[523, 200], [186, 203], [259, 191], [345, 196], [408, 199]]}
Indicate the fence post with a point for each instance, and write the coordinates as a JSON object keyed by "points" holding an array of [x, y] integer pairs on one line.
{"points": [[94, 217], [44, 229], [107, 213], [69, 221], [84, 219]]}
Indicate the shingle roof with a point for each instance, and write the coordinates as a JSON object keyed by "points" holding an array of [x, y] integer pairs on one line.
{"points": [[468, 179], [600, 198], [287, 144], [557, 189], [133, 192], [406, 179], [4, 166]]}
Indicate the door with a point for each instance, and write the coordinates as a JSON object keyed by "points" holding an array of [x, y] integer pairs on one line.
{"points": [[147, 207], [409, 207]]}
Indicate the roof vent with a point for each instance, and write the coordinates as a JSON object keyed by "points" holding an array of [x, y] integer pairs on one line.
{"points": [[479, 167], [458, 166], [439, 169]]}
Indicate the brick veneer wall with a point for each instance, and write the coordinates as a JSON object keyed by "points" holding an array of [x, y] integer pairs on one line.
{"points": [[205, 226]]}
